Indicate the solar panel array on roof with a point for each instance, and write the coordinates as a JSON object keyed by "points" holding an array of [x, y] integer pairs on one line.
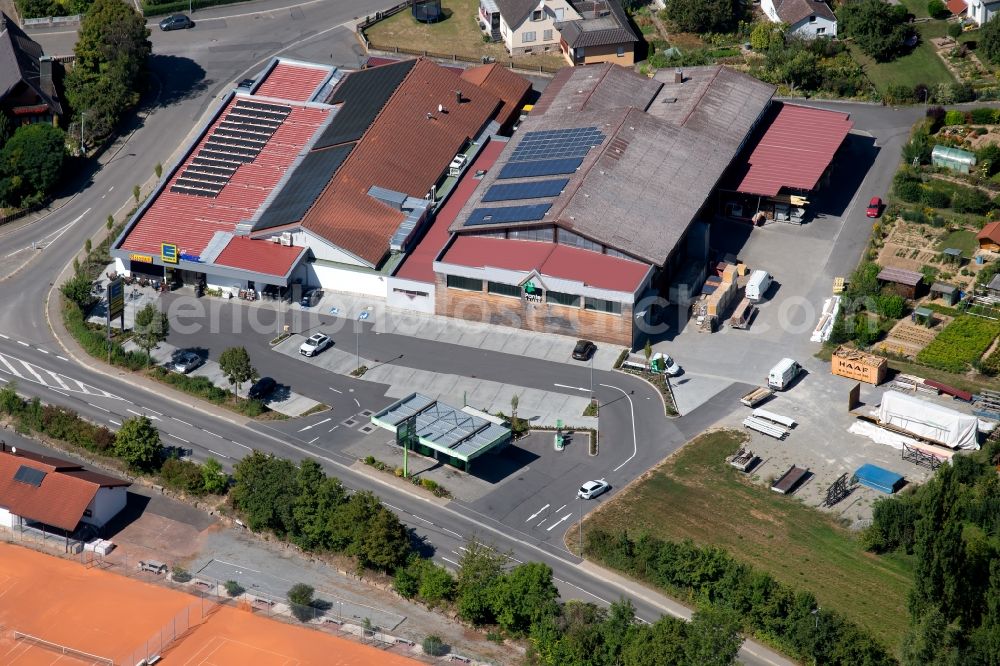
{"points": [[29, 475], [304, 186], [530, 190], [540, 168], [237, 140], [529, 213], [363, 94], [557, 143]]}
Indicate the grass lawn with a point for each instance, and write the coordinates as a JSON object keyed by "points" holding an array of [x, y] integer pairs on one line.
{"points": [[916, 7], [921, 65], [963, 239], [696, 495], [457, 34]]}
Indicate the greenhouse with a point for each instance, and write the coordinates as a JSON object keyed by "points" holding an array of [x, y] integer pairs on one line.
{"points": [[954, 159]]}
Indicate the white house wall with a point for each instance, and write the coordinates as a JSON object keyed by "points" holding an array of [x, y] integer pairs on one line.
{"points": [[767, 6], [107, 503], [821, 27], [324, 250], [345, 279], [6, 518], [408, 296], [514, 37]]}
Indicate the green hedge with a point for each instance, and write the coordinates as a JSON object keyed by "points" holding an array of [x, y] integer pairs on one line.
{"points": [[157, 8], [960, 344], [202, 387], [95, 341], [56, 422]]}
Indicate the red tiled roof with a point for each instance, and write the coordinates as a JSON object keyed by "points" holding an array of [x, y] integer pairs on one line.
{"points": [[378, 61], [292, 81], [262, 256], [419, 264], [991, 232], [59, 500], [403, 150], [795, 150], [503, 83], [549, 259], [956, 7], [190, 221]]}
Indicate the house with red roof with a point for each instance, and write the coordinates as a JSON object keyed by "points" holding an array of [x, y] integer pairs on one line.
{"points": [[989, 237], [318, 177]]}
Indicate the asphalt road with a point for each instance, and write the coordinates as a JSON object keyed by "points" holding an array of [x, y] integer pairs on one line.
{"points": [[190, 70]]}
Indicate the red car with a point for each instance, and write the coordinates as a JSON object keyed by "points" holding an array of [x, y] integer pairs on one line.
{"points": [[874, 207]]}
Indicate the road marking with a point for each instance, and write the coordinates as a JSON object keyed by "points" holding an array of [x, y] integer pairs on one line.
{"points": [[51, 237], [450, 561], [541, 522], [230, 564], [335, 390], [153, 410], [62, 358], [24, 344], [635, 440], [3, 380], [535, 514], [31, 369], [566, 582], [184, 422], [9, 366], [41, 350], [221, 455], [356, 402], [394, 508], [4, 336], [333, 428], [575, 388], [313, 440], [99, 407], [59, 381], [322, 422], [243, 445], [213, 434], [57, 391], [169, 434], [306, 428], [559, 509], [115, 422], [452, 532], [423, 519], [556, 524], [132, 411]]}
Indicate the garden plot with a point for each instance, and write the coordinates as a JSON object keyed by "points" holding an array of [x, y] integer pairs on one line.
{"points": [[910, 246], [909, 339]]}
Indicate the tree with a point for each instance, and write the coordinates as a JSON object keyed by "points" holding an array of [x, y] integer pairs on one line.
{"points": [[385, 543], [765, 35], [78, 290], [236, 367], [970, 200], [937, 9], [703, 15], [525, 595], [436, 584], [110, 222], [213, 479], [480, 570], [647, 351], [233, 588], [264, 491], [713, 637], [111, 54], [31, 162], [989, 41], [434, 646], [137, 442], [878, 28], [931, 641], [151, 328], [663, 642], [300, 599]]}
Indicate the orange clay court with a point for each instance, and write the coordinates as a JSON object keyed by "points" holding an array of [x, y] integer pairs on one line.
{"points": [[108, 616]]}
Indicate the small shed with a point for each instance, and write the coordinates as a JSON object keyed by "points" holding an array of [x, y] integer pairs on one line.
{"points": [[993, 288], [878, 478], [989, 237], [923, 316], [953, 255], [908, 284], [946, 292], [953, 159]]}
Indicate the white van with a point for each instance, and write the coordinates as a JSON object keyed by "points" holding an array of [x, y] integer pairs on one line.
{"points": [[783, 373], [760, 282]]}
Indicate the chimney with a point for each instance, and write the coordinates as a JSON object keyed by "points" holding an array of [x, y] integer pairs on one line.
{"points": [[679, 75], [458, 97], [45, 76]]}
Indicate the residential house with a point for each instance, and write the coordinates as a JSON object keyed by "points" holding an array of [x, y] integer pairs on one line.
{"points": [[807, 19], [982, 11], [27, 91], [603, 34], [989, 237], [525, 26]]}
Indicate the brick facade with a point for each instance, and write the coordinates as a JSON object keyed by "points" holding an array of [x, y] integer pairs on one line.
{"points": [[541, 317]]}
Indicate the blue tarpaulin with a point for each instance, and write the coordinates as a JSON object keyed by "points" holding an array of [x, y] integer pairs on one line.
{"points": [[880, 479]]}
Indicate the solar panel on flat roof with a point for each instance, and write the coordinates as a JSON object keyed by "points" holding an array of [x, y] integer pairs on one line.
{"points": [[29, 475], [531, 190], [556, 144], [541, 168], [529, 213]]}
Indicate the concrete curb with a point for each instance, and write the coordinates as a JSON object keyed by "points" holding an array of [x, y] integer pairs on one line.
{"points": [[658, 392]]}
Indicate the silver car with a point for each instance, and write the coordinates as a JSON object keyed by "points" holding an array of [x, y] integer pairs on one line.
{"points": [[185, 361], [316, 343]]}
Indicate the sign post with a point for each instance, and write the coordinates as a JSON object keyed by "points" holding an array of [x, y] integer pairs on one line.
{"points": [[116, 307], [406, 434]]}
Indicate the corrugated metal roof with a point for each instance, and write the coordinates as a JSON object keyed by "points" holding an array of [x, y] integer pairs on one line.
{"points": [[296, 82], [793, 153], [407, 149], [260, 256]]}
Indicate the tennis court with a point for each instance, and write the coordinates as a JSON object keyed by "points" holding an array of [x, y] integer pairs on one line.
{"points": [[25, 651]]}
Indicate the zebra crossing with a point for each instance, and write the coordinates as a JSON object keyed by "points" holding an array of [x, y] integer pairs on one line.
{"points": [[30, 372]]}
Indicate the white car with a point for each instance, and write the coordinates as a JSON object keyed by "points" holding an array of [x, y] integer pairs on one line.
{"points": [[592, 489], [316, 343], [668, 364]]}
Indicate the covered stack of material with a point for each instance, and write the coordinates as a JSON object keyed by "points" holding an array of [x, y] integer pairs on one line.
{"points": [[929, 420]]}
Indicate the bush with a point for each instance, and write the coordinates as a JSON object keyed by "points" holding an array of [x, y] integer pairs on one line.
{"points": [[182, 475], [970, 200], [300, 599], [890, 306], [937, 9], [954, 117], [983, 116], [434, 646], [935, 198], [233, 588], [954, 30], [180, 575]]}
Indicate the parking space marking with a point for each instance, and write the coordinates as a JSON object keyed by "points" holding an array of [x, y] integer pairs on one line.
{"points": [[335, 390], [313, 440], [357, 403]]}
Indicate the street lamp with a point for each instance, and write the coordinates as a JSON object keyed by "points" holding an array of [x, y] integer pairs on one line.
{"points": [[363, 315]]}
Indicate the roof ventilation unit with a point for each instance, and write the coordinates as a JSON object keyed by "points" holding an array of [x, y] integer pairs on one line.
{"points": [[286, 239]]}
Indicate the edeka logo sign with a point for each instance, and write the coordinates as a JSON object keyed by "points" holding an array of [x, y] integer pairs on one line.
{"points": [[168, 253]]}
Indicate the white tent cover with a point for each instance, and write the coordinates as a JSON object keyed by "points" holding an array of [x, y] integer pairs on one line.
{"points": [[929, 420]]}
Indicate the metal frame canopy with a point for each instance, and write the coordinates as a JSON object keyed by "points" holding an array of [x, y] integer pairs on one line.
{"points": [[444, 428]]}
